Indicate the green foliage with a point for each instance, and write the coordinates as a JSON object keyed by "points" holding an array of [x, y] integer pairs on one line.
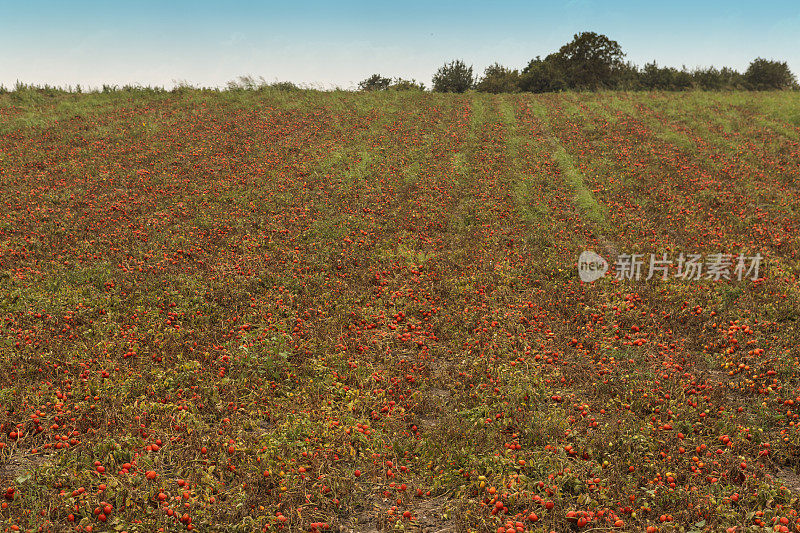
{"points": [[285, 86], [400, 84], [713, 79], [627, 77], [590, 61], [763, 74], [376, 82], [499, 79], [453, 77], [543, 76], [249, 83], [664, 78]]}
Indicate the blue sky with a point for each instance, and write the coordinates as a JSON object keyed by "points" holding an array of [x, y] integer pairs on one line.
{"points": [[328, 44]]}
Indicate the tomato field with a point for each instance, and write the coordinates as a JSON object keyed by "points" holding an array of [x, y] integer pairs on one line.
{"points": [[331, 311]]}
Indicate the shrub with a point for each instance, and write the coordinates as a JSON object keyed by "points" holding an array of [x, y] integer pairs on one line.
{"points": [[682, 79], [376, 82], [730, 77], [400, 84], [246, 83], [453, 77], [543, 75], [763, 74], [499, 79], [665, 78], [707, 78], [626, 77], [285, 86], [590, 61]]}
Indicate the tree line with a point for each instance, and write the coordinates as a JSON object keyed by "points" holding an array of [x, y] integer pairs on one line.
{"points": [[592, 61]]}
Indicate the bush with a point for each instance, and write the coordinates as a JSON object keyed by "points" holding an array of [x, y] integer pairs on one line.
{"points": [[682, 79], [249, 83], [707, 78], [653, 77], [730, 77], [453, 77], [285, 86], [499, 79], [399, 84], [665, 78], [626, 77], [376, 82], [763, 74], [590, 61], [246, 83], [543, 75], [34, 94], [135, 89]]}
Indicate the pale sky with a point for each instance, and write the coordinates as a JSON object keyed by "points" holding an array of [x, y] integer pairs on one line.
{"points": [[328, 44]]}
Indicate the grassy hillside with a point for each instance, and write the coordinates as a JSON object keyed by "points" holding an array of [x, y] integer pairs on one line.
{"points": [[306, 311]]}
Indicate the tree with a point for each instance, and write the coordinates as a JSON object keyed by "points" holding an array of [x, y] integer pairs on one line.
{"points": [[498, 79], [707, 78], [543, 75], [376, 82], [665, 78], [626, 77], [763, 74], [453, 77], [653, 77], [682, 79], [730, 77], [400, 84], [590, 61]]}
